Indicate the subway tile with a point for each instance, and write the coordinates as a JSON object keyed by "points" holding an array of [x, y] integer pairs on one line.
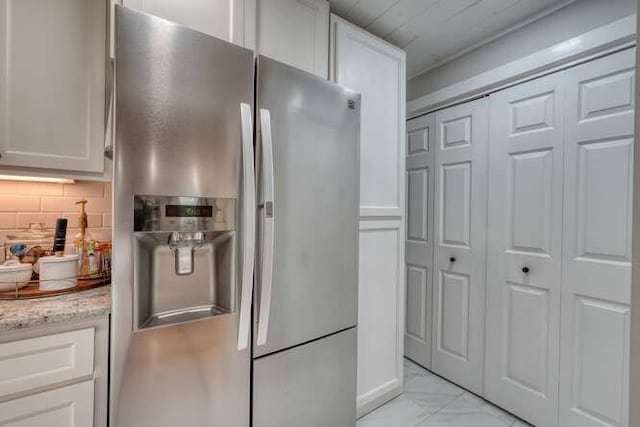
{"points": [[84, 188], [8, 221], [102, 234], [40, 188], [107, 219], [48, 219], [107, 190], [8, 187], [93, 219], [19, 203], [101, 205], [59, 204]]}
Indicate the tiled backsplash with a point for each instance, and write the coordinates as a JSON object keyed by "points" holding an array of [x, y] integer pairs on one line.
{"points": [[22, 203]]}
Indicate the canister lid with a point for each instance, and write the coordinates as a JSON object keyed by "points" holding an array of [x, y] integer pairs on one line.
{"points": [[15, 267], [51, 259], [36, 231]]}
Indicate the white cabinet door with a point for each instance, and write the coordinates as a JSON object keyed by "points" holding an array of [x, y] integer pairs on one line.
{"points": [[524, 249], [295, 32], [596, 290], [224, 19], [459, 258], [419, 245], [70, 406], [375, 69], [52, 84], [380, 313]]}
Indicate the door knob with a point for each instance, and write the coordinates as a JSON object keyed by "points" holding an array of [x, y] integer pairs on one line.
{"points": [[452, 259], [525, 270]]}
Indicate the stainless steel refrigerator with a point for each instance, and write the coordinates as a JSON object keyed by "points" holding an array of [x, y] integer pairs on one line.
{"points": [[235, 242]]}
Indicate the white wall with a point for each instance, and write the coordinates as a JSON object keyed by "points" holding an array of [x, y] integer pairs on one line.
{"points": [[568, 22]]}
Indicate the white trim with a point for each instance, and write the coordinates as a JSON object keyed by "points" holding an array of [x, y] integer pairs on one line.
{"points": [[378, 397], [614, 36]]}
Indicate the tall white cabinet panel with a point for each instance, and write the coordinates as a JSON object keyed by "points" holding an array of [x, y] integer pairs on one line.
{"points": [[524, 249], [229, 20], [295, 32], [419, 246], [597, 243], [375, 69], [459, 259], [52, 84]]}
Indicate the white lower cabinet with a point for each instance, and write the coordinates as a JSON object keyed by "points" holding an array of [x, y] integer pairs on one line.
{"points": [[70, 406], [380, 313], [555, 336], [55, 375]]}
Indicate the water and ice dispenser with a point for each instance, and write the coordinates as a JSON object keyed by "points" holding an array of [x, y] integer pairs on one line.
{"points": [[184, 258]]}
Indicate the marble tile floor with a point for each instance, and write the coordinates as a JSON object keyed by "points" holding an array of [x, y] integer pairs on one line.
{"points": [[431, 401]]}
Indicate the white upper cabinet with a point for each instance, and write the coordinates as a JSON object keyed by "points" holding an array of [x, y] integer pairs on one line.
{"points": [[224, 19], [375, 69], [295, 32], [52, 84]]}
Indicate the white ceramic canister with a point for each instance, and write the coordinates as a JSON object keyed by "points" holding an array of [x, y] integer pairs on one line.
{"points": [[14, 275], [58, 272]]}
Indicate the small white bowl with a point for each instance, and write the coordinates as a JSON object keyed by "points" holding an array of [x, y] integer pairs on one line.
{"points": [[58, 272], [14, 276]]}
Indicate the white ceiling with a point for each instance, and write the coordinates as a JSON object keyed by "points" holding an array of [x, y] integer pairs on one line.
{"points": [[435, 31]]}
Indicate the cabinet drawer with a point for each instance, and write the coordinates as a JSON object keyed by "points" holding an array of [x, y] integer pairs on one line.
{"points": [[70, 406], [37, 362]]}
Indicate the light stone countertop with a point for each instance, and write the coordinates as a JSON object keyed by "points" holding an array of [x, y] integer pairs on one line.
{"points": [[28, 313]]}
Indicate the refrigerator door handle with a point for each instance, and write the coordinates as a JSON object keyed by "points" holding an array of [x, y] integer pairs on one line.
{"points": [[248, 225], [266, 268]]}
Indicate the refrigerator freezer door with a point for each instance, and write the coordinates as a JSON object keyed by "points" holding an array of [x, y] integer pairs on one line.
{"points": [[312, 385], [312, 126], [179, 132]]}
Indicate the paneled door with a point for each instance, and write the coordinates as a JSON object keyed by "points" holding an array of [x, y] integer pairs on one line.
{"points": [[594, 367], [419, 243], [524, 249], [459, 259]]}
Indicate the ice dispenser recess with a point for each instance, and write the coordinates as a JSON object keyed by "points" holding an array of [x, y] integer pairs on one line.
{"points": [[184, 258]]}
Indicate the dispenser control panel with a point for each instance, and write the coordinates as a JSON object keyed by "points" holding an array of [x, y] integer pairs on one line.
{"points": [[182, 213]]}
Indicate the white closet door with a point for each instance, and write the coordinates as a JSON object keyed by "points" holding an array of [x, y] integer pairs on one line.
{"points": [[596, 291], [419, 244], [525, 249], [459, 261]]}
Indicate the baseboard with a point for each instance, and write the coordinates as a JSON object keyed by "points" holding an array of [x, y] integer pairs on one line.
{"points": [[378, 397]]}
